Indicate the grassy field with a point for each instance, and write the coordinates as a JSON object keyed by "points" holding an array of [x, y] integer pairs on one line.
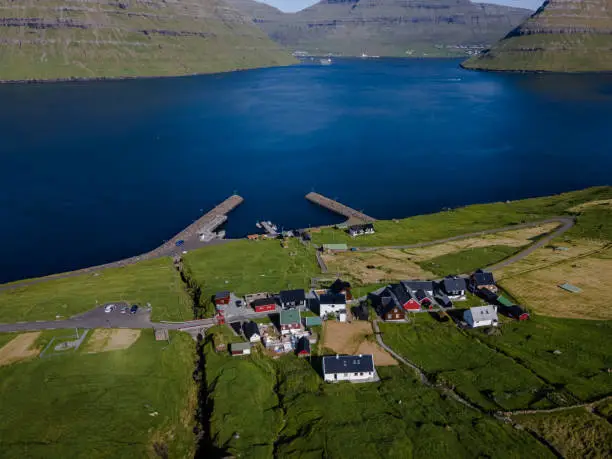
{"points": [[463, 220], [282, 408], [467, 261], [484, 376], [251, 266], [154, 281], [582, 366], [101, 405], [575, 434]]}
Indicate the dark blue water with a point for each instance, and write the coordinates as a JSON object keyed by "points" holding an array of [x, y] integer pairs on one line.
{"points": [[93, 172]]}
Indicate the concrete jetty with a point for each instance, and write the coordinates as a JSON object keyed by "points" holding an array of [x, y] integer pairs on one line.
{"points": [[354, 217]]}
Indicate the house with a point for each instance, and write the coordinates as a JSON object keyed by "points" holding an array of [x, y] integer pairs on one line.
{"points": [[481, 316], [330, 303], [340, 286], [404, 297], [290, 321], [264, 304], [222, 299], [389, 309], [414, 285], [454, 287], [292, 298], [348, 368], [360, 230], [251, 332], [444, 301], [515, 312], [240, 348], [423, 298], [312, 322], [482, 279], [302, 348]]}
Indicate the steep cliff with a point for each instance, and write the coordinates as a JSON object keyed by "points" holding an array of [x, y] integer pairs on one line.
{"points": [[387, 27], [58, 39], [562, 36]]}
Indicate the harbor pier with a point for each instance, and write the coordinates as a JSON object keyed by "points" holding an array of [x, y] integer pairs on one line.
{"points": [[353, 216]]}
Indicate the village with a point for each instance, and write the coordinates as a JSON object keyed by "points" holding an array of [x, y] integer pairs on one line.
{"points": [[291, 321]]}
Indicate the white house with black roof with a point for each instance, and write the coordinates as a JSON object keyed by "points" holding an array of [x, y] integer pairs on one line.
{"points": [[251, 332], [360, 230], [454, 287], [354, 368], [292, 298], [330, 303], [414, 285]]}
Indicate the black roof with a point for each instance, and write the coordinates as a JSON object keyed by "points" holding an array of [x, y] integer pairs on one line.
{"points": [[387, 303], [292, 296], [348, 364], [514, 310], [402, 295], [250, 328], [483, 278], [339, 285], [303, 345], [453, 284], [444, 300], [420, 295], [364, 226], [418, 285], [361, 311], [263, 302], [331, 298], [223, 294]]}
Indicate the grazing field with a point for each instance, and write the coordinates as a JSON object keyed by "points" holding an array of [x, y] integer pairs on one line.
{"points": [[21, 347], [575, 434], [250, 266], [539, 289], [469, 260], [605, 204], [456, 257], [153, 281], [581, 365], [484, 376], [103, 340], [354, 338], [463, 220], [281, 408], [121, 404]]}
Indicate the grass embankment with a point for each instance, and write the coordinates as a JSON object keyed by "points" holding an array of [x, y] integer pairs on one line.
{"points": [[101, 405], [453, 359], [154, 281], [265, 407], [575, 434], [250, 266], [580, 368], [467, 261], [464, 220]]}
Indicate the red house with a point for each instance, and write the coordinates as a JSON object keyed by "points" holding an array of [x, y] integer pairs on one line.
{"points": [[264, 304], [405, 298], [222, 298]]}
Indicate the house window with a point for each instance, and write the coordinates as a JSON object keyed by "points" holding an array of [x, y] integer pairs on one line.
{"points": [[355, 374], [360, 374]]}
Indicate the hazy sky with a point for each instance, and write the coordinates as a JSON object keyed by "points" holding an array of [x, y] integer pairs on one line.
{"points": [[296, 5]]}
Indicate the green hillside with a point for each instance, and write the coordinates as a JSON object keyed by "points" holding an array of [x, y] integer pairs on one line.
{"points": [[562, 36], [61, 39]]}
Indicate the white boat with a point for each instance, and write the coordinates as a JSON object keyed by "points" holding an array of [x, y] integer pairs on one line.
{"points": [[258, 225], [327, 61]]}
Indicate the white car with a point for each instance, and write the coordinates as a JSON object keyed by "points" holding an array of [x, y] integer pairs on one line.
{"points": [[109, 308]]}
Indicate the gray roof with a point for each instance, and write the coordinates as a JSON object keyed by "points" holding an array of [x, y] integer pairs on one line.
{"points": [[240, 346], [453, 284], [418, 285], [483, 313], [348, 364]]}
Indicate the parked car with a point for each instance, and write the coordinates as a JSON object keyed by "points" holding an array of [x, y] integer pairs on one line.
{"points": [[124, 310], [133, 309], [239, 303], [109, 308]]}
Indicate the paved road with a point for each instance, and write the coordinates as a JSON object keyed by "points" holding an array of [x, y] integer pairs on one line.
{"points": [[566, 224], [97, 318]]}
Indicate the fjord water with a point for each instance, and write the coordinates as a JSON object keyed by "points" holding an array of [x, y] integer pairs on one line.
{"points": [[91, 172]]}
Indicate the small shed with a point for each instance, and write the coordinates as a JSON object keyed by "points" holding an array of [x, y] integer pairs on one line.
{"points": [[302, 348], [222, 298], [240, 349], [312, 321]]}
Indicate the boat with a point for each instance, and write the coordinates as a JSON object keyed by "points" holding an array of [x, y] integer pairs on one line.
{"points": [[258, 225], [326, 61]]}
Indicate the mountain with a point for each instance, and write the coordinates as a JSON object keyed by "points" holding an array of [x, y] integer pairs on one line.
{"points": [[562, 36], [61, 39], [387, 27]]}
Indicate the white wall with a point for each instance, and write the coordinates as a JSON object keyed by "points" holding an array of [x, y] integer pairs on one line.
{"points": [[349, 376], [325, 309]]}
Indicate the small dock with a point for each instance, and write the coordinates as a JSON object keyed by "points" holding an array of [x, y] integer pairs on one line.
{"points": [[269, 228], [353, 216]]}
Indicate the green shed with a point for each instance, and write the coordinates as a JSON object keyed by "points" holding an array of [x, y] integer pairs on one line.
{"points": [[501, 299]]}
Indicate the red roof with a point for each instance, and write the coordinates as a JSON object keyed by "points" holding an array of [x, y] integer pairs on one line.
{"points": [[412, 304]]}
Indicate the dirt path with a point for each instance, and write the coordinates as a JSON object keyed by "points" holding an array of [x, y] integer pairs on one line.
{"points": [[19, 348]]}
